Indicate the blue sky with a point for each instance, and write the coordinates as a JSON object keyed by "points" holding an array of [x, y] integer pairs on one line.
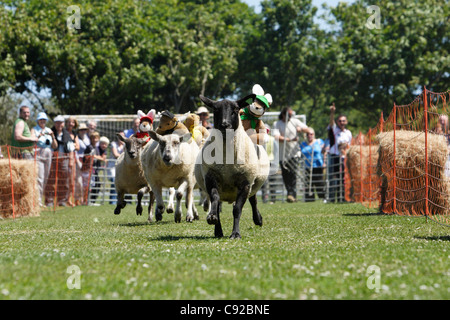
{"points": [[317, 3]]}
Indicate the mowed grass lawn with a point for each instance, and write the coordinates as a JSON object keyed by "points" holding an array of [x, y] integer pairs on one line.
{"points": [[303, 251]]}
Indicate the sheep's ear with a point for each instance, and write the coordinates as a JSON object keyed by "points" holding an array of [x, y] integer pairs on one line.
{"points": [[186, 137], [258, 90], [121, 137], [210, 103], [154, 135], [246, 101]]}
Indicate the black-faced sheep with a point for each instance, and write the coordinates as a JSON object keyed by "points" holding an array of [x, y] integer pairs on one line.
{"points": [[168, 161], [238, 168], [130, 176]]}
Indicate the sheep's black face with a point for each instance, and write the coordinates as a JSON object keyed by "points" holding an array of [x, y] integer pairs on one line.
{"points": [[226, 115], [226, 112]]}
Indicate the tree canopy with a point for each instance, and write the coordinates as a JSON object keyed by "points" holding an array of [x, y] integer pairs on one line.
{"points": [[135, 54]]}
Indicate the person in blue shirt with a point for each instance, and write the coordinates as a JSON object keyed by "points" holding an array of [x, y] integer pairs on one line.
{"points": [[313, 152]]}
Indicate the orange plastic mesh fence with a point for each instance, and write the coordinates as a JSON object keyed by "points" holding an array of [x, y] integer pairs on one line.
{"points": [[33, 179], [402, 165]]}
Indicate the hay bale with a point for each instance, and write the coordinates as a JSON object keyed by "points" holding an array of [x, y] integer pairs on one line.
{"points": [[410, 180], [368, 157], [25, 189]]}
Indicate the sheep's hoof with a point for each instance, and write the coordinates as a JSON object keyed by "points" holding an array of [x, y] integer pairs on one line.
{"points": [[117, 210], [235, 235], [177, 218], [190, 218], [258, 220], [218, 232], [169, 210], [139, 210], [212, 219]]}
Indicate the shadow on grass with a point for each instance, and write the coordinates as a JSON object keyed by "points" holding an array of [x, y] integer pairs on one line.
{"points": [[435, 238], [176, 238], [368, 214], [143, 223]]}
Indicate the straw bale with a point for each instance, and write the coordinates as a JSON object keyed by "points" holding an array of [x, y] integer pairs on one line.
{"points": [[25, 190], [368, 157], [410, 172]]}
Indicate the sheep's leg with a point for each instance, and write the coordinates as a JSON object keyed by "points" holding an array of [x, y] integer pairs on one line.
{"points": [[214, 198], [159, 210], [171, 197], [190, 215], [179, 195], [120, 202], [257, 218], [242, 195], [140, 194], [205, 201], [150, 205]]}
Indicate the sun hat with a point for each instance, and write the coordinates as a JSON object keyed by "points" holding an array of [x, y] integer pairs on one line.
{"points": [[202, 110], [58, 119], [41, 116], [82, 126]]}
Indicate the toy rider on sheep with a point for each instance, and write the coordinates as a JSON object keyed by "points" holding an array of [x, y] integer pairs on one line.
{"points": [[251, 115], [146, 124]]}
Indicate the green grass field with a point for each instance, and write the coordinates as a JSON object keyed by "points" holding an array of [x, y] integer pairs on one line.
{"points": [[303, 251]]}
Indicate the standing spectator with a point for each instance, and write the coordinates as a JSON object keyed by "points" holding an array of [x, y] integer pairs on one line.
{"points": [[99, 155], [45, 144], [287, 127], [340, 139], [313, 149], [117, 148], [59, 172], [92, 127], [203, 113], [272, 150], [87, 168], [75, 186], [80, 175], [22, 136], [134, 128]]}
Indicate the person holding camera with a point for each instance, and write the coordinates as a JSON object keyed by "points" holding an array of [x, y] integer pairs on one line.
{"points": [[65, 145], [46, 142]]}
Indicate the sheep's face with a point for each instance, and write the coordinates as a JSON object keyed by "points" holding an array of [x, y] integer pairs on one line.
{"points": [[169, 146], [132, 145], [226, 112]]}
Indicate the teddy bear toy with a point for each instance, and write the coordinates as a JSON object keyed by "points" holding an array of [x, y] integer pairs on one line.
{"points": [[168, 124], [250, 115], [198, 132], [145, 125]]}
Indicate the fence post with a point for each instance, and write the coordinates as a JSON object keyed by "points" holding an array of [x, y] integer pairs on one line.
{"points": [[394, 166], [361, 169], [426, 149], [12, 185]]}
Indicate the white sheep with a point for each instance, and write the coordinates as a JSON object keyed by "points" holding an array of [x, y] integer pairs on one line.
{"points": [[168, 161], [130, 176], [230, 167]]}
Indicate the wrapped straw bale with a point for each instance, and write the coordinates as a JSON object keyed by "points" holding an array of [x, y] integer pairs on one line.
{"points": [[368, 157], [25, 189], [410, 190]]}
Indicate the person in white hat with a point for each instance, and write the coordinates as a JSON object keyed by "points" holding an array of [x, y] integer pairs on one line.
{"points": [[203, 113], [45, 145]]}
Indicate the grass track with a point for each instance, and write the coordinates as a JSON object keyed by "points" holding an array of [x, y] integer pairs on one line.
{"points": [[303, 251]]}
